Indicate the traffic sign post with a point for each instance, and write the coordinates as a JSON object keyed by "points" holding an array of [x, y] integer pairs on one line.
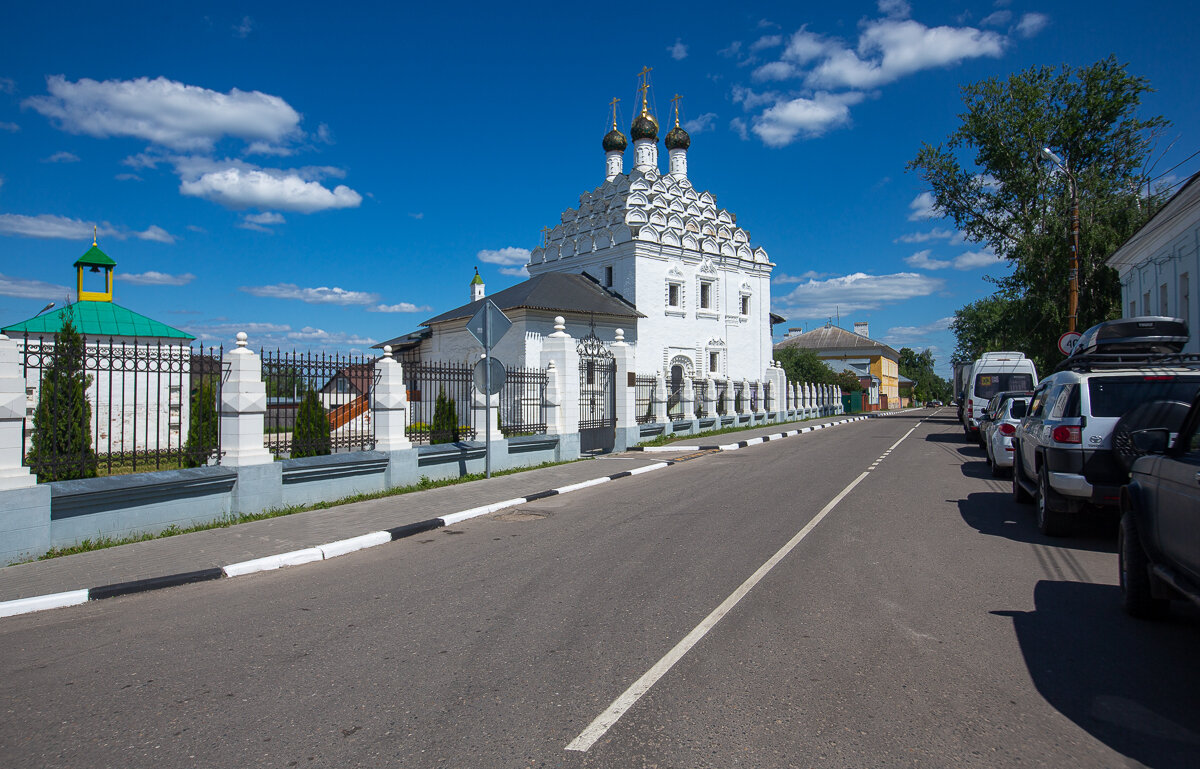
{"points": [[488, 325]]}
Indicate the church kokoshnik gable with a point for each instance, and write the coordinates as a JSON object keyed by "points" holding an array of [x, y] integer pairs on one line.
{"points": [[645, 252]]}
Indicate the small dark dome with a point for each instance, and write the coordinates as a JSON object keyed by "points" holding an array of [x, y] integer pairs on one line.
{"points": [[677, 139], [614, 141], [644, 127]]}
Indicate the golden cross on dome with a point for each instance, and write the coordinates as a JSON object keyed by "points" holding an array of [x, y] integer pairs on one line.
{"points": [[644, 76], [676, 101], [545, 235], [613, 104]]}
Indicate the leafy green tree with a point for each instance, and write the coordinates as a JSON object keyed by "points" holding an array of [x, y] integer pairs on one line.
{"points": [[310, 437], [203, 435], [61, 446], [993, 179], [848, 381], [445, 420], [918, 366], [802, 365]]}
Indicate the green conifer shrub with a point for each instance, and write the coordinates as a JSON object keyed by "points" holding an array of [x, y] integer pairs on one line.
{"points": [[203, 435], [310, 438], [445, 420], [61, 446]]}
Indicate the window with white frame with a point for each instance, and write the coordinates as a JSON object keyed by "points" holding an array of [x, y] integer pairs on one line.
{"points": [[1185, 297], [714, 361], [608, 276], [674, 296], [706, 295], [1162, 299], [1132, 309], [745, 309], [1146, 303]]}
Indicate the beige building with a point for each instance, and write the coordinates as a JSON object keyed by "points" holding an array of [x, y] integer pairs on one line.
{"points": [[834, 344]]}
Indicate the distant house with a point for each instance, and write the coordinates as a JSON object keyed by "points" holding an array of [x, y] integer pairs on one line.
{"points": [[834, 344], [1159, 264], [141, 369]]}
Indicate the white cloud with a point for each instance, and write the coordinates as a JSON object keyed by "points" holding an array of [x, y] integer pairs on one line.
{"points": [[319, 295], [738, 126], [678, 51], [196, 228], [996, 19], [783, 278], [805, 46], [517, 272], [765, 42], [31, 289], [891, 49], [732, 51], [975, 259], [242, 186], [1031, 24], [310, 334], [781, 124], [896, 9], [922, 261], [859, 291], [243, 28], [266, 217], [65, 228], [749, 99], [902, 335], [701, 123], [128, 178], [401, 307], [165, 112], [154, 278], [775, 70], [62, 157], [8, 85], [923, 206], [155, 233], [509, 257], [11, 128], [937, 233]]}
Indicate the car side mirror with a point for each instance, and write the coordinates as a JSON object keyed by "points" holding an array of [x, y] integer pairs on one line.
{"points": [[1019, 409], [1151, 440]]}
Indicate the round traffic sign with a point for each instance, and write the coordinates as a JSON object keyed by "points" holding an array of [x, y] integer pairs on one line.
{"points": [[498, 375], [1067, 342]]}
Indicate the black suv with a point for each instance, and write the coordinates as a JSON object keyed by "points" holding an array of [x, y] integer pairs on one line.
{"points": [[1159, 543], [1072, 451]]}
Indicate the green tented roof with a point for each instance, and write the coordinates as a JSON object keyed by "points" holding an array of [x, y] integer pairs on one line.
{"points": [[96, 319], [95, 258]]}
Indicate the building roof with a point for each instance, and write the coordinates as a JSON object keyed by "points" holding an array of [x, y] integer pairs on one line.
{"points": [[94, 257], [561, 292], [404, 341], [834, 339], [1143, 243], [97, 319]]}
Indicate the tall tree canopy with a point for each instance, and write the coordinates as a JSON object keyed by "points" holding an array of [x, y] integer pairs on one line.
{"points": [[918, 366], [1013, 198]]}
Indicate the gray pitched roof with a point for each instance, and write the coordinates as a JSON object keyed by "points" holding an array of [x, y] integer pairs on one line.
{"points": [[829, 338], [552, 292]]}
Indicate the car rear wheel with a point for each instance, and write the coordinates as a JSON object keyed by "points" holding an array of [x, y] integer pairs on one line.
{"points": [[1137, 594], [1050, 521], [1019, 493]]}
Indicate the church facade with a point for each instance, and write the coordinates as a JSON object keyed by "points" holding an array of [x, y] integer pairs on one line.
{"points": [[690, 291]]}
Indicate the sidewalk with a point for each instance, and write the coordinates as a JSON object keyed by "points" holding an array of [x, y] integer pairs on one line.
{"points": [[319, 534]]}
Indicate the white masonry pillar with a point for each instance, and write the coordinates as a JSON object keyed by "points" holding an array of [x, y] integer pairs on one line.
{"points": [[13, 473], [553, 401], [243, 408], [687, 399], [390, 404], [628, 431], [660, 398], [559, 348]]}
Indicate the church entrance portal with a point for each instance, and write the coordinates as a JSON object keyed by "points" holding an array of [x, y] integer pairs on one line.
{"points": [[597, 396]]}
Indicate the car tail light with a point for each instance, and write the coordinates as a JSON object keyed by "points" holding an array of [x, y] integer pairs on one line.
{"points": [[1158, 378], [1007, 429], [970, 411], [1067, 434]]}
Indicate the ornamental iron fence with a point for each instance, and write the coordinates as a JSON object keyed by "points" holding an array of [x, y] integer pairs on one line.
{"points": [[643, 397], [317, 403], [522, 402], [439, 402], [97, 406]]}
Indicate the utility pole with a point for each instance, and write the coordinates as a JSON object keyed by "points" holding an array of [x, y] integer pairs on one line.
{"points": [[1073, 270]]}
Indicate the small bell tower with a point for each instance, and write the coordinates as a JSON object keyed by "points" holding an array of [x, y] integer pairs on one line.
{"points": [[95, 260], [477, 291]]}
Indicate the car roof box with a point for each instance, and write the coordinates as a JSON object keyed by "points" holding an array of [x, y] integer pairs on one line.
{"points": [[1146, 334]]}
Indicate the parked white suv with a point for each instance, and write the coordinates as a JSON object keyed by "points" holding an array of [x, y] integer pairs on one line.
{"points": [[998, 426], [1072, 451]]}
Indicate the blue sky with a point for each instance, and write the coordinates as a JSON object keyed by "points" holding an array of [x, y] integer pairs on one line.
{"points": [[329, 176]]}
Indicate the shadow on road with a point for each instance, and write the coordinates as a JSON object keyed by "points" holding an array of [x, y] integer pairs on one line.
{"points": [[1130, 684], [997, 515]]}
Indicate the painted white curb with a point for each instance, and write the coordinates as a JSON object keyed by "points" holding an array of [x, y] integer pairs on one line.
{"points": [[341, 547], [41, 602], [475, 512], [294, 558]]}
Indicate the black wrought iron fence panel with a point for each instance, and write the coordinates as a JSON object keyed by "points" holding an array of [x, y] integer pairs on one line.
{"points": [[643, 397], [739, 398], [722, 395], [522, 399], [754, 396], [439, 402], [318, 402], [96, 406], [768, 400]]}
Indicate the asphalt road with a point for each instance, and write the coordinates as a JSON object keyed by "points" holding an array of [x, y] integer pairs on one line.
{"points": [[922, 621]]}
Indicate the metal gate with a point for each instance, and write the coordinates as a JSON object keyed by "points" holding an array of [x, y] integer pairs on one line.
{"points": [[597, 396]]}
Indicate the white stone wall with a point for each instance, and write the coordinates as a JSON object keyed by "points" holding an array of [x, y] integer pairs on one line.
{"points": [[522, 344], [1175, 264]]}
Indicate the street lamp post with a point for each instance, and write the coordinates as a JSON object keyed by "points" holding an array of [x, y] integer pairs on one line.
{"points": [[1073, 272]]}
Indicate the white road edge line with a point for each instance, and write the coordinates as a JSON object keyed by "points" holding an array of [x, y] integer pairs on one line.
{"points": [[42, 602], [630, 696]]}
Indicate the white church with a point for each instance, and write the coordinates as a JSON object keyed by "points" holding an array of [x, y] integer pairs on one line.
{"points": [[645, 252]]}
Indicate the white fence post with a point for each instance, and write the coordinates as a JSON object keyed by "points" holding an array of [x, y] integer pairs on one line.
{"points": [[390, 404], [660, 398], [243, 408], [13, 473]]}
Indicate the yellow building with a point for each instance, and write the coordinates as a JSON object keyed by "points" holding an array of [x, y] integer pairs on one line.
{"points": [[833, 344]]}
